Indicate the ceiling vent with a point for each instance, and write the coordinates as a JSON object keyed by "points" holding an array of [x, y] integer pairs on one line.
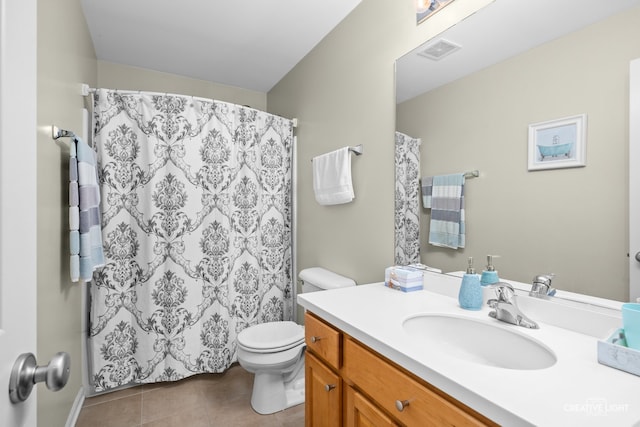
{"points": [[438, 50]]}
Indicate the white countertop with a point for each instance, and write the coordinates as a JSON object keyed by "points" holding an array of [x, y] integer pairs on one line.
{"points": [[575, 391]]}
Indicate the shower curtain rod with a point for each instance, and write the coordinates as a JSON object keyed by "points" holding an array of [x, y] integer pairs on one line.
{"points": [[87, 90]]}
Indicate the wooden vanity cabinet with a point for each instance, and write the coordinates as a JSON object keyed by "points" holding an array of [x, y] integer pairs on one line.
{"points": [[349, 384]]}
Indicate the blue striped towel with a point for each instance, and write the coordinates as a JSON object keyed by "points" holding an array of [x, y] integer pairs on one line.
{"points": [[85, 232], [444, 194]]}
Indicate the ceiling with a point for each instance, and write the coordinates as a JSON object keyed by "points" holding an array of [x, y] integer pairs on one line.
{"points": [[242, 43], [499, 31]]}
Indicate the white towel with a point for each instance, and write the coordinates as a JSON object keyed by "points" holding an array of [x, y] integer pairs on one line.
{"points": [[332, 177]]}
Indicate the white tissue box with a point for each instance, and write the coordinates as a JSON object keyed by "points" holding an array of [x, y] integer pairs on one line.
{"points": [[403, 278], [614, 353]]}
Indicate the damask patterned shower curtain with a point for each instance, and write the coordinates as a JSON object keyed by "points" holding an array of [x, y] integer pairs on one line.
{"points": [[407, 200], [196, 220]]}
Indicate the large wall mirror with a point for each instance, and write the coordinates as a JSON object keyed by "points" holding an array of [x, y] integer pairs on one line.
{"points": [[515, 64]]}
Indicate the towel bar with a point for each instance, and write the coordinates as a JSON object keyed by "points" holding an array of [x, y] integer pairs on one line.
{"points": [[56, 133], [357, 150]]}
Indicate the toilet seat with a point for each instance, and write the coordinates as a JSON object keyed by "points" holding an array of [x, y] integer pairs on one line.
{"points": [[271, 337]]}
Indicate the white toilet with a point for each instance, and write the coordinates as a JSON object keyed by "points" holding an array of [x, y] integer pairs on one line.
{"points": [[274, 351]]}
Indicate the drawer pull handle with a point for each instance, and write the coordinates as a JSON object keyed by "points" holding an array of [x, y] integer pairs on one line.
{"points": [[329, 387], [401, 404], [315, 339]]}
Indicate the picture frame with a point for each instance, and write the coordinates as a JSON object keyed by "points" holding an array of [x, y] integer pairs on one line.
{"points": [[558, 143], [426, 8]]}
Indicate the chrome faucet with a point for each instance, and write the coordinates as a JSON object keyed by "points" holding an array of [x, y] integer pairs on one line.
{"points": [[541, 287], [505, 307]]}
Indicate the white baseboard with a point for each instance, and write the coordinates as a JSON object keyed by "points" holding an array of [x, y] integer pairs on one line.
{"points": [[75, 409]]}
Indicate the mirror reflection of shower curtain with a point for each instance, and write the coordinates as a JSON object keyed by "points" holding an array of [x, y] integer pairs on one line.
{"points": [[196, 224], [407, 200]]}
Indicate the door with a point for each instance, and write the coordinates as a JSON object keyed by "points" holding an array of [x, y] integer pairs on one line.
{"points": [[17, 199], [634, 180], [323, 394]]}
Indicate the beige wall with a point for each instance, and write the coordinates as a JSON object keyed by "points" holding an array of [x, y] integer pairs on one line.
{"points": [[343, 93], [572, 222], [65, 60], [117, 76]]}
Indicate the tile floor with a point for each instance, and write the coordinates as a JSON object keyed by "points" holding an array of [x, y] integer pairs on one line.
{"points": [[207, 400]]}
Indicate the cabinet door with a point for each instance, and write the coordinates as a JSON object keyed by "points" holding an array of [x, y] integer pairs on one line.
{"points": [[362, 413], [323, 395]]}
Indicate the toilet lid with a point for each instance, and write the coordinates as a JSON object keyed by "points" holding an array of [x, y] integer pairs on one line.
{"points": [[271, 336]]}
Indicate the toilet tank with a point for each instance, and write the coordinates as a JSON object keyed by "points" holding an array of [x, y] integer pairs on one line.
{"points": [[319, 279]]}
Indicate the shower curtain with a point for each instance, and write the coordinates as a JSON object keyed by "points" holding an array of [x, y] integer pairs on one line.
{"points": [[407, 200], [196, 223]]}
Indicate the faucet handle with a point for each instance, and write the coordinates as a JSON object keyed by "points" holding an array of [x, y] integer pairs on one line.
{"points": [[504, 291], [541, 286], [544, 279]]}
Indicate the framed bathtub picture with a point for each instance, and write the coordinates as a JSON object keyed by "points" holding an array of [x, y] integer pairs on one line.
{"points": [[559, 143]]}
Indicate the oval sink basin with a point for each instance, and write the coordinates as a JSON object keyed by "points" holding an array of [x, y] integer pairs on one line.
{"points": [[479, 342]]}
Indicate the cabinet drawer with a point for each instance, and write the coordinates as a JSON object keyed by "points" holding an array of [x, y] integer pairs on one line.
{"points": [[323, 340], [386, 384]]}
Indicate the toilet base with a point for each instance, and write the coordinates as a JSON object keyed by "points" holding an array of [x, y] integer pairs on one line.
{"points": [[270, 394]]}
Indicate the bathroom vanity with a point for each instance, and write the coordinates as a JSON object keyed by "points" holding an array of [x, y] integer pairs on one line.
{"points": [[347, 380], [369, 363]]}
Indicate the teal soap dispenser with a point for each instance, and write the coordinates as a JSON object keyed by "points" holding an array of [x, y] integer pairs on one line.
{"points": [[489, 274], [470, 294]]}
